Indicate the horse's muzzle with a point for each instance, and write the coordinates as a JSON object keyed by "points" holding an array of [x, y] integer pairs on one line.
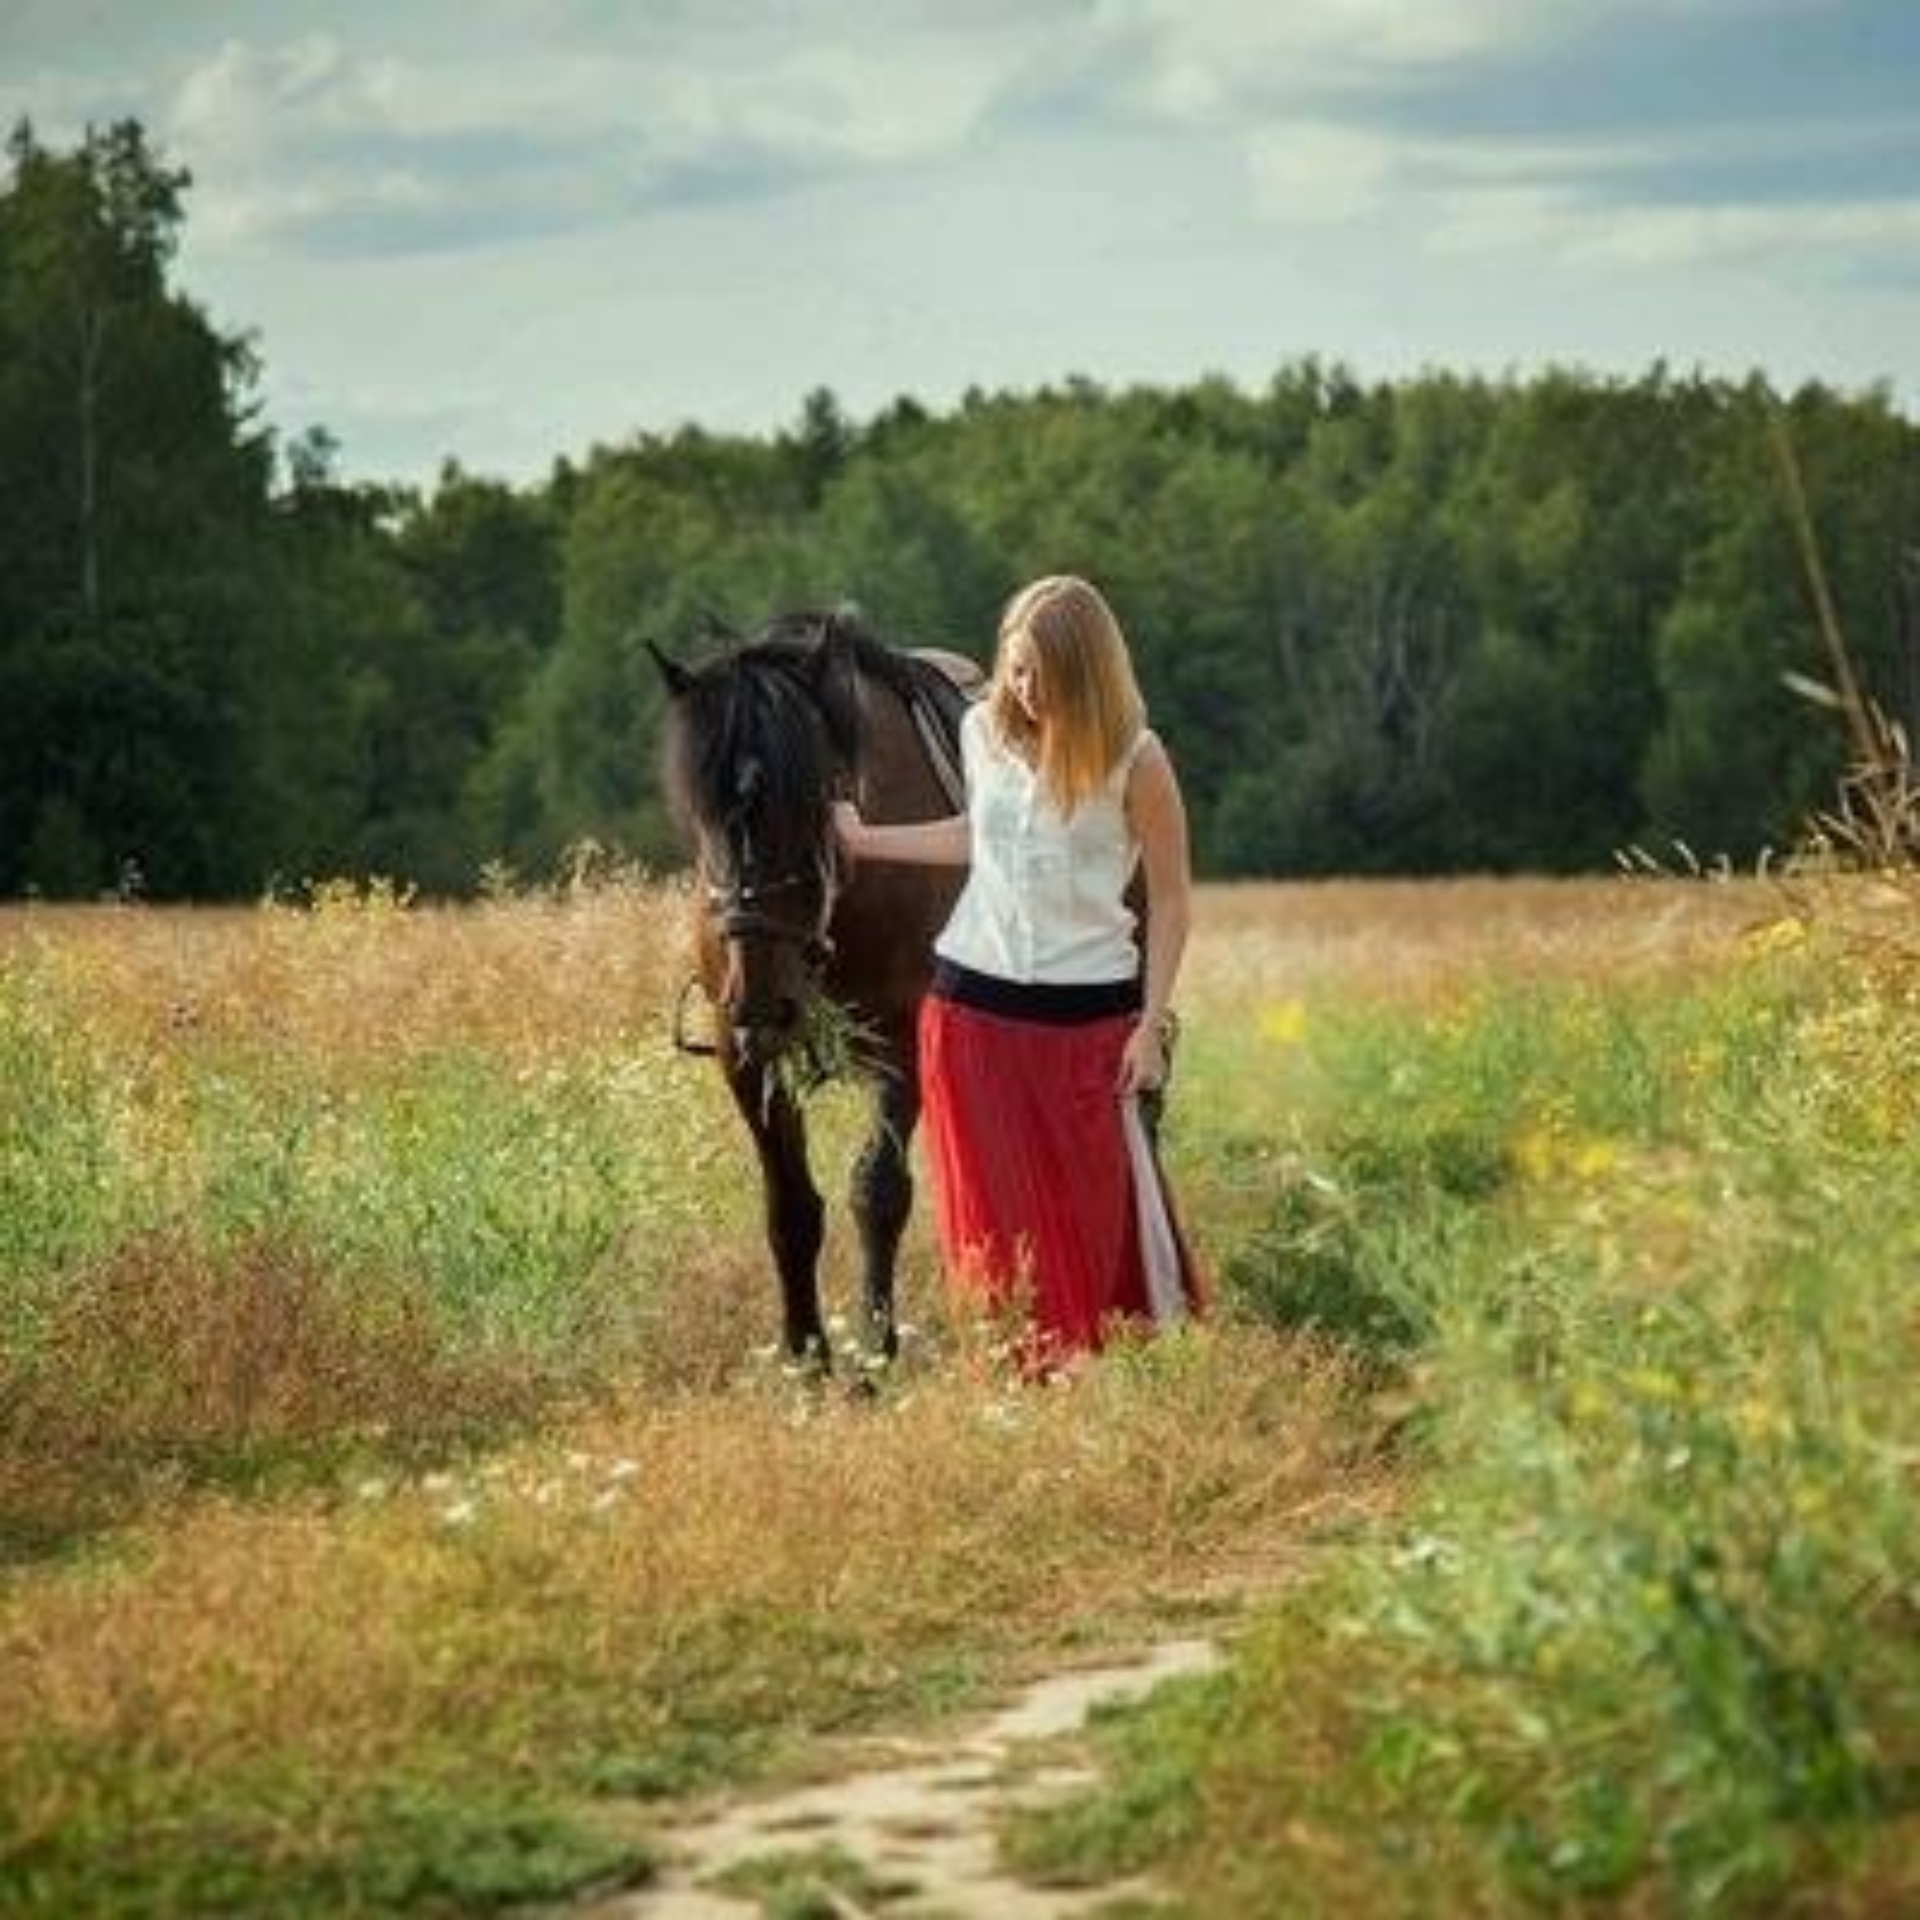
{"points": [[762, 1034]]}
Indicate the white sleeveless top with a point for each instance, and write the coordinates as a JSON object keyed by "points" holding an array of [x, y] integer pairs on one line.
{"points": [[1043, 895]]}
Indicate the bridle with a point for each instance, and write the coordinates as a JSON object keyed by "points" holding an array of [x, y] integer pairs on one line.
{"points": [[743, 907], [739, 908]]}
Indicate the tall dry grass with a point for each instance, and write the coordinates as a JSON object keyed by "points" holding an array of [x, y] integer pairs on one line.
{"points": [[391, 1452], [362, 979], [436, 1166], [635, 1604]]}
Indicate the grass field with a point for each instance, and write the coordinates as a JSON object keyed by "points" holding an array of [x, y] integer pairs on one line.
{"points": [[399, 1498]]}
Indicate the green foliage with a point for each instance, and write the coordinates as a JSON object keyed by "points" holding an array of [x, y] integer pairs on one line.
{"points": [[677, 1762], [132, 512], [57, 1136], [255, 1844], [1350, 1263], [513, 1213], [1156, 1754], [809, 1883]]}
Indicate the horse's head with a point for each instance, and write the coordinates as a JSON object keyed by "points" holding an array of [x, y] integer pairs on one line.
{"points": [[757, 742]]}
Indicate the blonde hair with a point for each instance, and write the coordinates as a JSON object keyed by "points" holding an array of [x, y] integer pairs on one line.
{"points": [[1090, 706]]}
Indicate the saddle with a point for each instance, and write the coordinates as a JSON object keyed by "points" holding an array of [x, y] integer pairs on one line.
{"points": [[940, 689]]}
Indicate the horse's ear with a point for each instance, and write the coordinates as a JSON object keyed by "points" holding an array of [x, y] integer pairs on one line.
{"points": [[829, 669], [830, 657], [677, 678]]}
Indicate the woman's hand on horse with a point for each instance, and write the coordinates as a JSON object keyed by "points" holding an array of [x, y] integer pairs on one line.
{"points": [[923, 843], [849, 829], [1143, 1061]]}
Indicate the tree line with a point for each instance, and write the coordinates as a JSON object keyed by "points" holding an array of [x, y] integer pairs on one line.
{"points": [[1413, 626]]}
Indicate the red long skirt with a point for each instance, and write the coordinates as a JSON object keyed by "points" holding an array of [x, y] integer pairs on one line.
{"points": [[1048, 1194]]}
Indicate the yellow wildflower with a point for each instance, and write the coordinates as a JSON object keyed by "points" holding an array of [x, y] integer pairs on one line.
{"points": [[1535, 1152], [1284, 1023], [1589, 1403], [1653, 1383], [1595, 1157], [1759, 1419], [1777, 936]]}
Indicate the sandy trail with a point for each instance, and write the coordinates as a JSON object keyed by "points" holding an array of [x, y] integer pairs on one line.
{"points": [[921, 1818]]}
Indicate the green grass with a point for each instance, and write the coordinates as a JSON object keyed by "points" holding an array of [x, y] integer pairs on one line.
{"points": [[509, 1193], [811, 1883], [1089, 1839], [1643, 1266], [256, 1844]]}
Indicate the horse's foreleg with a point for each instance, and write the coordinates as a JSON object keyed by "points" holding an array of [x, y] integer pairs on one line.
{"points": [[795, 1214], [882, 1197]]}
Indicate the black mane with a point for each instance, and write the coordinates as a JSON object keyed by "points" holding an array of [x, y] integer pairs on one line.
{"points": [[794, 635], [784, 700], [770, 703]]}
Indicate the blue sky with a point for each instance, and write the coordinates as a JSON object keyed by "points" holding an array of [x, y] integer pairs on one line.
{"points": [[503, 230]]}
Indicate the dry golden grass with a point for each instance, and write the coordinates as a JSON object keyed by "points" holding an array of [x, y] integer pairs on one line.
{"points": [[164, 1363], [767, 1560], [1422, 938], [165, 1354], [362, 979], [174, 1351], [363, 976]]}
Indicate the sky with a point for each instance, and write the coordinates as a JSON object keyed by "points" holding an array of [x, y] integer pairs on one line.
{"points": [[505, 231]]}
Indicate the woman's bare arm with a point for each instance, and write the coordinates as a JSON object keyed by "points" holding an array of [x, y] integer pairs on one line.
{"points": [[923, 843], [1158, 817]]}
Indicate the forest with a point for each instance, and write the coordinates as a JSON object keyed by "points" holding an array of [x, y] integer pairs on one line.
{"points": [[1426, 625]]}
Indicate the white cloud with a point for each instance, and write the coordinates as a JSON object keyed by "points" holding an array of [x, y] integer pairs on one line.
{"points": [[1612, 232], [1311, 94], [549, 116], [1665, 236], [309, 137], [243, 92], [1206, 50], [1311, 173], [1197, 183]]}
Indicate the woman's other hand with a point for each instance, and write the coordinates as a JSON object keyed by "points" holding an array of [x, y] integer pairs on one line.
{"points": [[1143, 1062]]}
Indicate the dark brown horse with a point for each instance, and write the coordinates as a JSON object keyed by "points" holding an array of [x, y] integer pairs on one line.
{"points": [[759, 743]]}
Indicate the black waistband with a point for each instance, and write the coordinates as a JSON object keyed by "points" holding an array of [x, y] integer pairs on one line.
{"points": [[1052, 1002]]}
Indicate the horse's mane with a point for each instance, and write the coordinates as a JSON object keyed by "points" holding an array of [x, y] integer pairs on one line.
{"points": [[794, 635], [773, 699]]}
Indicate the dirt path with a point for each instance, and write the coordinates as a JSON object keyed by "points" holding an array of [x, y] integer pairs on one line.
{"points": [[920, 1819]]}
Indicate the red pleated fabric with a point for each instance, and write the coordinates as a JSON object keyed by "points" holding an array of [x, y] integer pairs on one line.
{"points": [[1032, 1179]]}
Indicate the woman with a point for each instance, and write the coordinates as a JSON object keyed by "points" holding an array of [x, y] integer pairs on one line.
{"points": [[1042, 1029]]}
